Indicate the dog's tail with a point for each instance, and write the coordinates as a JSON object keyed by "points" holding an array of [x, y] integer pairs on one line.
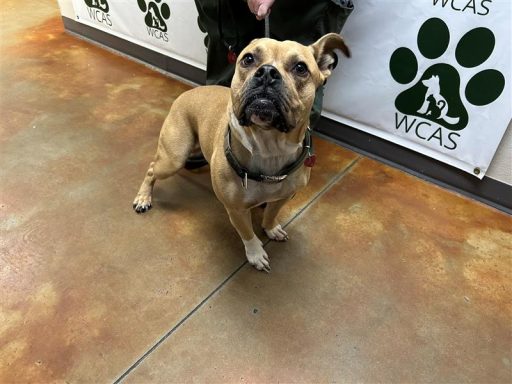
{"points": [[196, 161]]}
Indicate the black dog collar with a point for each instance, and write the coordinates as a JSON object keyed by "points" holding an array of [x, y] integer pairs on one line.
{"points": [[244, 173]]}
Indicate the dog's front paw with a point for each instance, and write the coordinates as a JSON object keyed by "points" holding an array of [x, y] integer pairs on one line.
{"points": [[259, 260], [277, 233], [256, 255], [142, 203]]}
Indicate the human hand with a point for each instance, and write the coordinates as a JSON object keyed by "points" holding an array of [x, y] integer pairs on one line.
{"points": [[261, 8]]}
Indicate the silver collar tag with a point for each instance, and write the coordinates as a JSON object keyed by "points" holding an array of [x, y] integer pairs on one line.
{"points": [[273, 179], [244, 181]]}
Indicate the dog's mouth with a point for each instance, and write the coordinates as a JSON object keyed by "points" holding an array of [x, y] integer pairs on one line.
{"points": [[264, 110]]}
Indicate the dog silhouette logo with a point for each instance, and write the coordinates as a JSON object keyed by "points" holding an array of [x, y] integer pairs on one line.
{"points": [[435, 105]]}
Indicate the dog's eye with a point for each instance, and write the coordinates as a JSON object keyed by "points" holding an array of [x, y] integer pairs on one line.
{"points": [[301, 69], [247, 60]]}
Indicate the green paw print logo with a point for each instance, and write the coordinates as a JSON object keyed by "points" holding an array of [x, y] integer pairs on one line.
{"points": [[102, 5], [437, 94], [156, 14]]}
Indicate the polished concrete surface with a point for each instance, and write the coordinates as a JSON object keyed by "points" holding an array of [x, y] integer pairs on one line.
{"points": [[386, 278]]}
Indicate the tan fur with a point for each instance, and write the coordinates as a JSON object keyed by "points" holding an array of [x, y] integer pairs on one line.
{"points": [[202, 115]]}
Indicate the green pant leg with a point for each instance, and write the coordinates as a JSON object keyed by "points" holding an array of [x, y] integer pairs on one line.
{"points": [[306, 21], [319, 17], [316, 111], [236, 27], [333, 22]]}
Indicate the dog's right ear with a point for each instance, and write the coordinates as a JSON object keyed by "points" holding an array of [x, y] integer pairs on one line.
{"points": [[323, 51]]}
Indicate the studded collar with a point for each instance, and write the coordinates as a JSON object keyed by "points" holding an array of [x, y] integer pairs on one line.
{"points": [[245, 174]]}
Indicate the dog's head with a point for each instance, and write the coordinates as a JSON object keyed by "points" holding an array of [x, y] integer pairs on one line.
{"points": [[431, 82], [275, 82]]}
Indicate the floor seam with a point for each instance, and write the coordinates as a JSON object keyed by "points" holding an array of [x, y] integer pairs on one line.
{"points": [[334, 180], [173, 329]]}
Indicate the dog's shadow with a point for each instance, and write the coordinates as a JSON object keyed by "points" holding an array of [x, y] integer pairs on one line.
{"points": [[188, 191], [189, 198], [184, 191]]}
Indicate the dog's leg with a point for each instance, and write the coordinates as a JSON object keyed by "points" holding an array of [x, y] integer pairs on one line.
{"points": [[142, 202], [270, 224], [424, 107], [256, 255], [170, 158]]}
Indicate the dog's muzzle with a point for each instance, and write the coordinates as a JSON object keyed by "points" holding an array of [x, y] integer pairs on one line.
{"points": [[262, 101]]}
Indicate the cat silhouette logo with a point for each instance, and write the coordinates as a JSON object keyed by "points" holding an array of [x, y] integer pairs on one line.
{"points": [[155, 14], [437, 94]]}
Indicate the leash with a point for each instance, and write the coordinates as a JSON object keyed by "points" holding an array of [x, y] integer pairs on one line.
{"points": [[233, 48]]}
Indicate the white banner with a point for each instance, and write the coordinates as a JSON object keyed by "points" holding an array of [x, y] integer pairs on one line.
{"points": [[165, 26], [430, 75]]}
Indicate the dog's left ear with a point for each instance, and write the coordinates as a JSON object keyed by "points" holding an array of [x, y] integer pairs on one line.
{"points": [[323, 51]]}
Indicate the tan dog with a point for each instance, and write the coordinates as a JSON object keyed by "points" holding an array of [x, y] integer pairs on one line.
{"points": [[254, 135]]}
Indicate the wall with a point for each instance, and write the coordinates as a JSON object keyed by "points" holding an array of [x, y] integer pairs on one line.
{"points": [[501, 166], [192, 52]]}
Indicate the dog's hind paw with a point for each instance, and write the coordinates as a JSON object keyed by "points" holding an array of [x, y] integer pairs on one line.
{"points": [[142, 204], [277, 233]]}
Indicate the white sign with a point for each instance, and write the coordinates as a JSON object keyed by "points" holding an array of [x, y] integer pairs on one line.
{"points": [[166, 26], [431, 75]]}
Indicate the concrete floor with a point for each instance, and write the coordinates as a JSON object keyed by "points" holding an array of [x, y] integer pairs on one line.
{"points": [[386, 278]]}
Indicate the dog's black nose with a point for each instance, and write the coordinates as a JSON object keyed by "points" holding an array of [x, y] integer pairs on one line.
{"points": [[267, 75]]}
